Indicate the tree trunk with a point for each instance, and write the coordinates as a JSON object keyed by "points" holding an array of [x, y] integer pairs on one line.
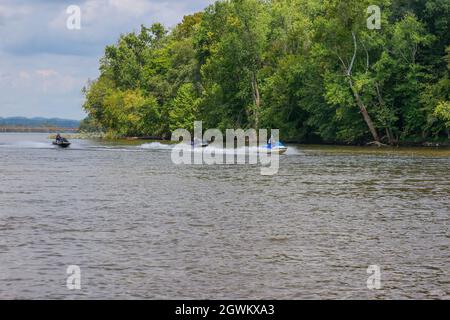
{"points": [[364, 112], [390, 136], [256, 99], [362, 107]]}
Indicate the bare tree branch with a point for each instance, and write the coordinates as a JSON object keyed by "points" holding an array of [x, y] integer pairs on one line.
{"points": [[367, 57], [380, 99], [350, 68], [342, 61]]}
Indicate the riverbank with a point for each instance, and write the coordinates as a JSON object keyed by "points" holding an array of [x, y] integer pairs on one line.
{"points": [[79, 135], [405, 144], [18, 129]]}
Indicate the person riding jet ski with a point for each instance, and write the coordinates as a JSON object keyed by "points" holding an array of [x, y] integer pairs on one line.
{"points": [[61, 142], [273, 147]]}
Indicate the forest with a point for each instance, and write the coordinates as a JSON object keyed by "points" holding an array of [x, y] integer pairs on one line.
{"points": [[311, 68]]}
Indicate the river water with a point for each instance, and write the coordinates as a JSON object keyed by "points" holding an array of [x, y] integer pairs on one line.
{"points": [[140, 227]]}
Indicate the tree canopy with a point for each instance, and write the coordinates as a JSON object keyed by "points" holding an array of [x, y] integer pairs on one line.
{"points": [[311, 68]]}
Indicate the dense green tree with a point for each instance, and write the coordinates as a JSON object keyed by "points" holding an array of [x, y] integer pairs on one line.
{"points": [[184, 109], [311, 68], [233, 54]]}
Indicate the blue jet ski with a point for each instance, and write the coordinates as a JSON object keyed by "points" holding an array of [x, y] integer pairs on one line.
{"points": [[277, 148]]}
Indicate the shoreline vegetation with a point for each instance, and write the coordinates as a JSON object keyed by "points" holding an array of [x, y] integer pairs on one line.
{"points": [[143, 139], [310, 68], [13, 129]]}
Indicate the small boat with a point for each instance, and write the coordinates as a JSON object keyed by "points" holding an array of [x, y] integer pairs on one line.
{"points": [[278, 148], [63, 143]]}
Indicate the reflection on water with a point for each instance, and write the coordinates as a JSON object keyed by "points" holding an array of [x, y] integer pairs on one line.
{"points": [[141, 227]]}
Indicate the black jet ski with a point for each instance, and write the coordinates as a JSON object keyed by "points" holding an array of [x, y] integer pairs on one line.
{"points": [[63, 143], [198, 143]]}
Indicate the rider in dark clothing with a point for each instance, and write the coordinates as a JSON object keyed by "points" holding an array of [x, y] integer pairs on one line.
{"points": [[58, 138]]}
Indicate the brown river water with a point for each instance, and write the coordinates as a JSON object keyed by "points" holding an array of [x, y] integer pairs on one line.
{"points": [[140, 227]]}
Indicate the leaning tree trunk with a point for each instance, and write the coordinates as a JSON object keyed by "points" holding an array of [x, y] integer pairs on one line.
{"points": [[359, 102], [364, 112]]}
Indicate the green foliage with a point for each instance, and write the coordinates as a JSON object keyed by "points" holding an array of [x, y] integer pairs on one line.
{"points": [[311, 68], [443, 112], [89, 125], [184, 109]]}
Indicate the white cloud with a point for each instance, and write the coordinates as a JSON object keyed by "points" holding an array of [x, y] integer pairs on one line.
{"points": [[44, 85], [24, 75], [133, 7], [46, 73], [43, 65], [8, 11]]}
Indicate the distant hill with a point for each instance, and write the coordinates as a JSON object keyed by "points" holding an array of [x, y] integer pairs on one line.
{"points": [[38, 122]]}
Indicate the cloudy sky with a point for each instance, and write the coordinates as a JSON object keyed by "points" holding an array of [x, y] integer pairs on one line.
{"points": [[44, 65]]}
